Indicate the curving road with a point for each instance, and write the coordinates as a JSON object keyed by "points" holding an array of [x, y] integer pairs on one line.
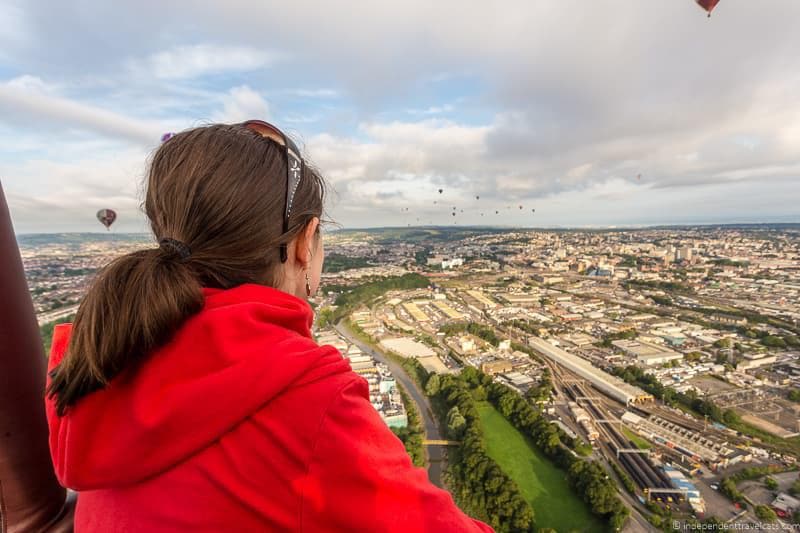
{"points": [[435, 454]]}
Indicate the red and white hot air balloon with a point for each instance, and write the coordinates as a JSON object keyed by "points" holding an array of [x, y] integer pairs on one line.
{"points": [[107, 217], [708, 5]]}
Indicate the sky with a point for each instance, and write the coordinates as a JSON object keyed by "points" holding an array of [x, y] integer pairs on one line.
{"points": [[601, 113]]}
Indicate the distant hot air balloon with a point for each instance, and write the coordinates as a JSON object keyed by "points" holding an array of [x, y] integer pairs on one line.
{"points": [[434, 202], [639, 177], [497, 212], [106, 217], [477, 197], [440, 191], [708, 5], [167, 136], [454, 214], [520, 208], [533, 210]]}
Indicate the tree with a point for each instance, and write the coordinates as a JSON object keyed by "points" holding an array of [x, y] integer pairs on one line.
{"points": [[432, 386], [773, 341], [693, 356], [794, 490], [770, 483], [765, 513], [730, 417], [479, 393], [724, 343], [455, 422]]}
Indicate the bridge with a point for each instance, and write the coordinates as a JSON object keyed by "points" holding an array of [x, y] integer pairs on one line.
{"points": [[427, 442]]}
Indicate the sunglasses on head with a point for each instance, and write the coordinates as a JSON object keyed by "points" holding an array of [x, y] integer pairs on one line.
{"points": [[294, 167]]}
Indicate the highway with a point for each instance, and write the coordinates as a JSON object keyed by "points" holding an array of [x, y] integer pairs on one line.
{"points": [[435, 454], [46, 318]]}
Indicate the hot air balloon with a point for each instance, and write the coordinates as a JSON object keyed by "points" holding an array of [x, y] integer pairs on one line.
{"points": [[708, 5], [520, 208], [477, 197], [440, 191], [106, 217], [167, 136], [497, 212], [454, 214], [533, 210]]}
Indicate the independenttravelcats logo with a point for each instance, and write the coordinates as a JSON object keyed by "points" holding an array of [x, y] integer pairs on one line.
{"points": [[679, 525]]}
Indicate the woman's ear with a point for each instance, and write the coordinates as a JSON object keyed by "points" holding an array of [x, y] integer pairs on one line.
{"points": [[305, 242]]}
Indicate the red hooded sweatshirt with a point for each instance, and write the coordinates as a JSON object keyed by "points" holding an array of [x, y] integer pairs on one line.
{"points": [[241, 423]]}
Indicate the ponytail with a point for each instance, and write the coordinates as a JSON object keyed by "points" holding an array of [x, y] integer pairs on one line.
{"points": [[134, 306]]}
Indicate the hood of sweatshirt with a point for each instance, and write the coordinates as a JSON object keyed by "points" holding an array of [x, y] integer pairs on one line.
{"points": [[245, 347]]}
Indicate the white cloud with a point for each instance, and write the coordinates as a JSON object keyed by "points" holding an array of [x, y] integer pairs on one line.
{"points": [[314, 93], [27, 98], [242, 103], [182, 62]]}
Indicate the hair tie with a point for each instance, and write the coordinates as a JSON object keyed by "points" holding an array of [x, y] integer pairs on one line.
{"points": [[175, 247]]}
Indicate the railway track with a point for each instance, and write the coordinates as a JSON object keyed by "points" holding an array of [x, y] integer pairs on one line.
{"points": [[647, 476]]}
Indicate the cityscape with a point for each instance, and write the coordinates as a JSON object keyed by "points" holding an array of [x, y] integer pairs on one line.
{"points": [[557, 288], [667, 356]]}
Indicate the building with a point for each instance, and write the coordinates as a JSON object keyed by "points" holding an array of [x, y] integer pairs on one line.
{"points": [[755, 360], [647, 354], [729, 320], [603, 381], [450, 263], [496, 367], [407, 347], [785, 505], [684, 254], [547, 280]]}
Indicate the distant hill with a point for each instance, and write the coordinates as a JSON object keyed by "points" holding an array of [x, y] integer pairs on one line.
{"points": [[66, 239]]}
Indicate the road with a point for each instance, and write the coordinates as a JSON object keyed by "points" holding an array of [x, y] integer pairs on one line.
{"points": [[435, 454], [46, 318]]}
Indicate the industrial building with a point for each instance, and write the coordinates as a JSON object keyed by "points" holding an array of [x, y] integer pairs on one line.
{"points": [[496, 367], [693, 444], [603, 381], [679, 481], [646, 353]]}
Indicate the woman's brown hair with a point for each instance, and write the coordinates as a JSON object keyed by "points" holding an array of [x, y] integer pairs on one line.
{"points": [[220, 189]]}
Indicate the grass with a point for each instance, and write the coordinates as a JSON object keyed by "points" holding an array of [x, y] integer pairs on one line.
{"points": [[542, 484], [637, 440]]}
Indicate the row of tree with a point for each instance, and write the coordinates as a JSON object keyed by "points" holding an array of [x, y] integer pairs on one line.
{"points": [[588, 479], [351, 297], [486, 333], [478, 484]]}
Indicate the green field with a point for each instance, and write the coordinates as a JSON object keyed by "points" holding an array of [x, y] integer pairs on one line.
{"points": [[543, 485], [637, 440]]}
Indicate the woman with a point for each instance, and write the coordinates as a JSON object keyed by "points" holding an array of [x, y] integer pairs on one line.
{"points": [[188, 395]]}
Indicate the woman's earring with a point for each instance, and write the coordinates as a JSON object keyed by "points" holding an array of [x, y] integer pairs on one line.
{"points": [[308, 285]]}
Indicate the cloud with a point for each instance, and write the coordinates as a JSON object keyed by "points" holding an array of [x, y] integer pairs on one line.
{"points": [[48, 195], [545, 101], [27, 99], [182, 62], [242, 103]]}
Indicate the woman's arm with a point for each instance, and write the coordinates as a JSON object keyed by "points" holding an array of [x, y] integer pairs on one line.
{"points": [[361, 479]]}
